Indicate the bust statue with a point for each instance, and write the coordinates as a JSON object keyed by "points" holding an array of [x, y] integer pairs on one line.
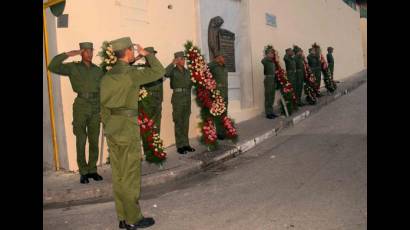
{"points": [[213, 36]]}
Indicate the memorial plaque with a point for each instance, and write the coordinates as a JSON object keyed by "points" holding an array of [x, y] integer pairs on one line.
{"points": [[227, 47], [270, 20]]}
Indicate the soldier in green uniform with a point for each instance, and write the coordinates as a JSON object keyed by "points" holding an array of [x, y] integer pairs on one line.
{"points": [[290, 64], [181, 85], [330, 59], [300, 73], [220, 74], [85, 78], [155, 90], [269, 82], [119, 113], [314, 64]]}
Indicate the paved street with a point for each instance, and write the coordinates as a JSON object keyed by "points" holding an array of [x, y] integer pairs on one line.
{"points": [[310, 177]]}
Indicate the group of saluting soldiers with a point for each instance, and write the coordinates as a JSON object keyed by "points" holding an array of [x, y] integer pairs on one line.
{"points": [[294, 61], [111, 98]]}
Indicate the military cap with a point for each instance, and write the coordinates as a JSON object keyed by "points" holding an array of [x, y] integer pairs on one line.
{"points": [[296, 48], [151, 50], [121, 43], [268, 49], [179, 54], [86, 45], [288, 49], [329, 48]]}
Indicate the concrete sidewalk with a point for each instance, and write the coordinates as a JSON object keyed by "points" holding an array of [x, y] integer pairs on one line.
{"points": [[63, 188]]}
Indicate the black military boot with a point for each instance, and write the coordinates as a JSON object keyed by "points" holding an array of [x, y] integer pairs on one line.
{"points": [[95, 176], [181, 151], [122, 224], [189, 148], [84, 179], [145, 222]]}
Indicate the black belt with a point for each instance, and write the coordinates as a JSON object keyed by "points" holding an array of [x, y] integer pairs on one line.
{"points": [[125, 112], [180, 90], [154, 83], [88, 95]]}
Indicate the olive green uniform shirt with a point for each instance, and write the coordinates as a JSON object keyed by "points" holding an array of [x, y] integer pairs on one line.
{"points": [[120, 90], [179, 78], [83, 79], [269, 67]]}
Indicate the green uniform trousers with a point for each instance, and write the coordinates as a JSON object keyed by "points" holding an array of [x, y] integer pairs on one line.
{"points": [[299, 78], [220, 130], [318, 75], [125, 162], [86, 124], [331, 68], [181, 111], [154, 108], [270, 90], [292, 79]]}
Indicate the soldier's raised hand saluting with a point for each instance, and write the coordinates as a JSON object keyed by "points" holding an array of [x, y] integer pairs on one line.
{"points": [[74, 53], [141, 50]]}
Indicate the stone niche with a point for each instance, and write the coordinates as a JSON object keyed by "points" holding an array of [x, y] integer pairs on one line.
{"points": [[229, 34]]}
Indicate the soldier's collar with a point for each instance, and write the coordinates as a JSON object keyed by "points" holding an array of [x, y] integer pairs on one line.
{"points": [[83, 63]]}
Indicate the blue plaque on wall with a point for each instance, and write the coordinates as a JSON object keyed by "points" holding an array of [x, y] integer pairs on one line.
{"points": [[270, 20]]}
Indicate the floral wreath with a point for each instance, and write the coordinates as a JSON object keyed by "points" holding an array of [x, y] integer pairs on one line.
{"points": [[310, 86], [327, 76], [208, 97], [286, 88]]}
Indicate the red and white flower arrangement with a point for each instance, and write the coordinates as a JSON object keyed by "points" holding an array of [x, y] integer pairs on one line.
{"points": [[154, 149], [208, 97], [286, 87]]}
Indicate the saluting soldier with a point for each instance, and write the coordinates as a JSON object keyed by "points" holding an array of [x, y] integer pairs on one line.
{"points": [[155, 90], [181, 85], [269, 82], [220, 74], [290, 64], [314, 64], [85, 78], [119, 112], [300, 73]]}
